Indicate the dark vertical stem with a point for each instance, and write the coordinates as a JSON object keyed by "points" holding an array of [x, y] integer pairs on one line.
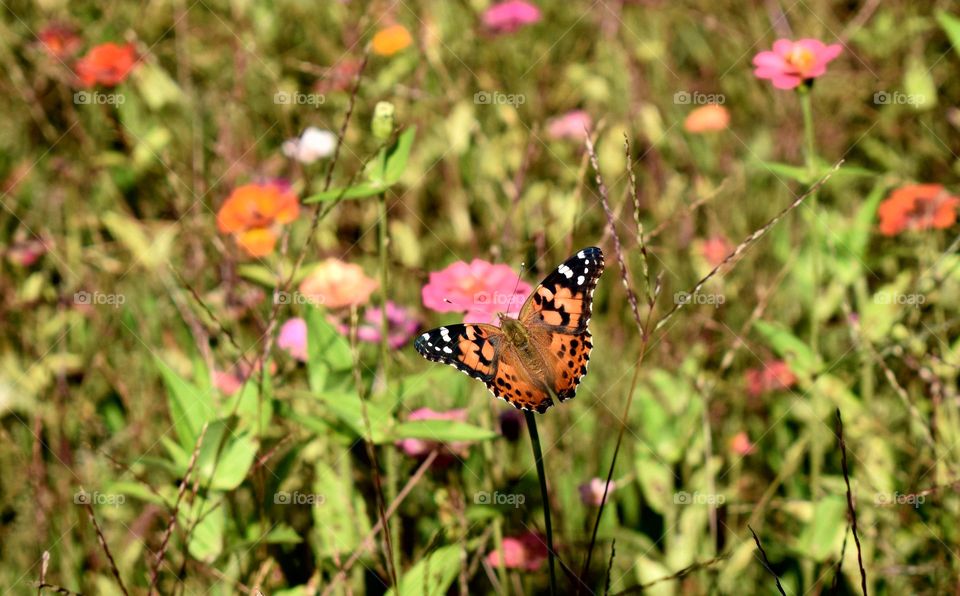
{"points": [[538, 457]]}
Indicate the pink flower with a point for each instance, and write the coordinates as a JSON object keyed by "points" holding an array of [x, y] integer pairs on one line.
{"points": [[741, 445], [293, 338], [773, 376], [591, 493], [507, 17], [715, 249], [420, 448], [572, 125], [480, 289], [527, 552], [793, 62], [401, 326]]}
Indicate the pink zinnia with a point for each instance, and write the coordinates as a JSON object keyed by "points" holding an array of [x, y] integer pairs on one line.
{"points": [[740, 444], [793, 62], [293, 338], [507, 17], [526, 552], [401, 326], [774, 375], [591, 493], [572, 125], [480, 289]]}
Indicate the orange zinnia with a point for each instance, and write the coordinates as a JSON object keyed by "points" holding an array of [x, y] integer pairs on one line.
{"points": [[708, 118], [917, 207], [337, 284], [391, 40], [253, 212], [107, 64]]}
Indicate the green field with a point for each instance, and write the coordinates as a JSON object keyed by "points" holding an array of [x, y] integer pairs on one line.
{"points": [[226, 223]]}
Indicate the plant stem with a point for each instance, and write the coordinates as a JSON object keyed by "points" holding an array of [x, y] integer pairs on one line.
{"points": [[810, 157], [538, 457]]}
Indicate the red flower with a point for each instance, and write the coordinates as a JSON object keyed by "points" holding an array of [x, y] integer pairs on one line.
{"points": [[107, 64], [774, 375], [917, 207], [59, 40]]}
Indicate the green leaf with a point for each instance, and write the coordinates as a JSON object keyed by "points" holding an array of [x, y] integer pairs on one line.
{"points": [[431, 575], [155, 86], [190, 407], [346, 406], [206, 540], [798, 173], [398, 155], [253, 411], [789, 347], [362, 190], [919, 85], [951, 26], [225, 467], [442, 430], [822, 536], [327, 350], [341, 519], [656, 482]]}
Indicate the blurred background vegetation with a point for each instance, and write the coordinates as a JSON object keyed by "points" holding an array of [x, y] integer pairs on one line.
{"points": [[733, 415]]}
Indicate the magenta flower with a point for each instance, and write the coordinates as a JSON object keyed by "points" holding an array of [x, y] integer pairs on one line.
{"points": [[527, 552], [293, 338], [401, 326], [507, 17], [572, 125], [420, 448], [480, 289], [591, 493], [793, 62]]}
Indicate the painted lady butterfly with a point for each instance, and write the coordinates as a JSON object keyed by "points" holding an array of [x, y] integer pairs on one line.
{"points": [[541, 354]]}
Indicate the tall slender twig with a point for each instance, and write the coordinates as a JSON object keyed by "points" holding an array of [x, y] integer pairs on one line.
{"points": [[538, 457], [850, 508]]}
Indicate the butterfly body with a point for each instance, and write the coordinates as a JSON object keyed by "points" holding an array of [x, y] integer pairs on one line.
{"points": [[542, 354]]}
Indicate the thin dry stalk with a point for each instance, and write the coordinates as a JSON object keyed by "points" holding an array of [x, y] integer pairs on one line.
{"points": [[748, 242], [165, 541], [766, 562], [850, 508], [104, 546]]}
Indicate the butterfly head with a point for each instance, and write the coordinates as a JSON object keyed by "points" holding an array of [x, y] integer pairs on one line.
{"points": [[513, 330]]}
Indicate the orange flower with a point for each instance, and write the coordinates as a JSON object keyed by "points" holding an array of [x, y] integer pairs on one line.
{"points": [[391, 40], [336, 284], [253, 213], [917, 207], [708, 118], [107, 64]]}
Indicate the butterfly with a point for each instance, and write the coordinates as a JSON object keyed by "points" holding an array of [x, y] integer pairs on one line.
{"points": [[540, 355]]}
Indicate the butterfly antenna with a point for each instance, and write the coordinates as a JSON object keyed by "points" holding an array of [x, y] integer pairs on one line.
{"points": [[523, 266]]}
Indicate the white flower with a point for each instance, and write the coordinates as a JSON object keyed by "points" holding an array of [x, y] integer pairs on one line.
{"points": [[312, 145]]}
